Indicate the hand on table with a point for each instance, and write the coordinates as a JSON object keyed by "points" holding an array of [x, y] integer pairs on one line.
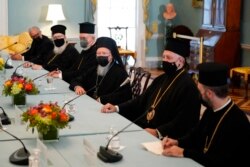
{"points": [[108, 108], [36, 67], [79, 90]]}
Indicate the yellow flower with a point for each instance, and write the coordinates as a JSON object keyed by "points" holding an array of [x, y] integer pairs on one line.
{"points": [[1, 61], [20, 85], [47, 108]]}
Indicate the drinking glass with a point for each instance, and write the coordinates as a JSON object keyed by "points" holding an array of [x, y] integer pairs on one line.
{"points": [[71, 107], [49, 80]]}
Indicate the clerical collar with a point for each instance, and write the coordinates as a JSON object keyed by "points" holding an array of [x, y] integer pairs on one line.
{"points": [[218, 109]]}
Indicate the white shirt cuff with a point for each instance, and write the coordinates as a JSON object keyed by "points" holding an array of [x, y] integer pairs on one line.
{"points": [[60, 75], [117, 108]]}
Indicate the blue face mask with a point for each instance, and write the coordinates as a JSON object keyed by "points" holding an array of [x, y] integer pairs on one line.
{"points": [[84, 43], [102, 60], [59, 42]]}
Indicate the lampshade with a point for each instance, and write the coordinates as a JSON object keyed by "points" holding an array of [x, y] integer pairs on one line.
{"points": [[55, 13]]}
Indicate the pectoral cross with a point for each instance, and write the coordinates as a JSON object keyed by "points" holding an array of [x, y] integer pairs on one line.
{"points": [[151, 113]]}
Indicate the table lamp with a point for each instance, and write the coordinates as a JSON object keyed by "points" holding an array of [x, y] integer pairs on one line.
{"points": [[55, 13]]}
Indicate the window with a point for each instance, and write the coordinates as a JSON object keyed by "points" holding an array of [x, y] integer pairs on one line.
{"points": [[121, 13]]}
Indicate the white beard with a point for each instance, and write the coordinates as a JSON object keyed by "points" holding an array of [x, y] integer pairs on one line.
{"points": [[59, 50], [102, 71]]}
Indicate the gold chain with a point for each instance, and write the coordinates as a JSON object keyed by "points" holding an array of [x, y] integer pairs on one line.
{"points": [[207, 146], [52, 59], [80, 64], [151, 113]]}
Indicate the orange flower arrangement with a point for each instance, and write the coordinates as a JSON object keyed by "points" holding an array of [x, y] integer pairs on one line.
{"points": [[45, 116], [19, 85]]}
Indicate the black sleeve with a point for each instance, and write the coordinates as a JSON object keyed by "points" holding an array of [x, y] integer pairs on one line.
{"points": [[46, 50]]}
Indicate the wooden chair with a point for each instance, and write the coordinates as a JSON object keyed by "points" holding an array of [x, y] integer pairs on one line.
{"points": [[245, 73], [139, 80]]}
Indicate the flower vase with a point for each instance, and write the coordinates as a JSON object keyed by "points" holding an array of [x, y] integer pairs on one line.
{"points": [[19, 99], [52, 134]]}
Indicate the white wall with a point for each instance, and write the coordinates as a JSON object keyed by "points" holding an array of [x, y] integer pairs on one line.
{"points": [[4, 17]]}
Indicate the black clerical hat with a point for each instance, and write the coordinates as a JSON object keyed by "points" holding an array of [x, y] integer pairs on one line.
{"points": [[58, 29], [213, 74], [110, 44], [177, 45], [87, 27]]}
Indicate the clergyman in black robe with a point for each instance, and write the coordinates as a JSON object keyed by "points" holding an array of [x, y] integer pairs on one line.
{"points": [[87, 60], [171, 105], [64, 54], [223, 134], [41, 46], [106, 82]]}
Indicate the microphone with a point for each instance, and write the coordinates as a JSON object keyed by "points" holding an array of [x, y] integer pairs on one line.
{"points": [[108, 155], [6, 65], [20, 156], [40, 76], [8, 46], [125, 82], [15, 72], [71, 117], [4, 118]]}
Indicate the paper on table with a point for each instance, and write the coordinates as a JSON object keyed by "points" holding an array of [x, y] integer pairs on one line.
{"points": [[154, 147]]}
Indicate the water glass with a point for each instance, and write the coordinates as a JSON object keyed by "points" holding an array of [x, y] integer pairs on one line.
{"points": [[50, 82], [71, 108]]}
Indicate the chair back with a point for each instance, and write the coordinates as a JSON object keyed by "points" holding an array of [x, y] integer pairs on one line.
{"points": [[139, 80]]}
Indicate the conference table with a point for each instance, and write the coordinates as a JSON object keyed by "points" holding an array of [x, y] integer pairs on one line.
{"points": [[79, 144]]}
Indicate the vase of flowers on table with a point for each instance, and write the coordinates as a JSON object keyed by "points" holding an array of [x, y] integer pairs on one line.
{"points": [[18, 87], [47, 118]]}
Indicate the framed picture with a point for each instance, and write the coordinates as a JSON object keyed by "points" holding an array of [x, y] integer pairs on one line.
{"points": [[197, 3]]}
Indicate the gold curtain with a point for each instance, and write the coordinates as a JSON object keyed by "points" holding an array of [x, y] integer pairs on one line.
{"points": [[90, 8], [93, 3], [148, 33]]}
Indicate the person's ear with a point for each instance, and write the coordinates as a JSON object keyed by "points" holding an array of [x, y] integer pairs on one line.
{"points": [[209, 93]]}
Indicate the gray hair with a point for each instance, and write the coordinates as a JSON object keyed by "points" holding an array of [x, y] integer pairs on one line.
{"points": [[34, 28]]}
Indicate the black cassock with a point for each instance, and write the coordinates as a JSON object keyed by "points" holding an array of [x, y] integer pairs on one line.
{"points": [[38, 50], [230, 143], [62, 61], [86, 63], [108, 86], [176, 113]]}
